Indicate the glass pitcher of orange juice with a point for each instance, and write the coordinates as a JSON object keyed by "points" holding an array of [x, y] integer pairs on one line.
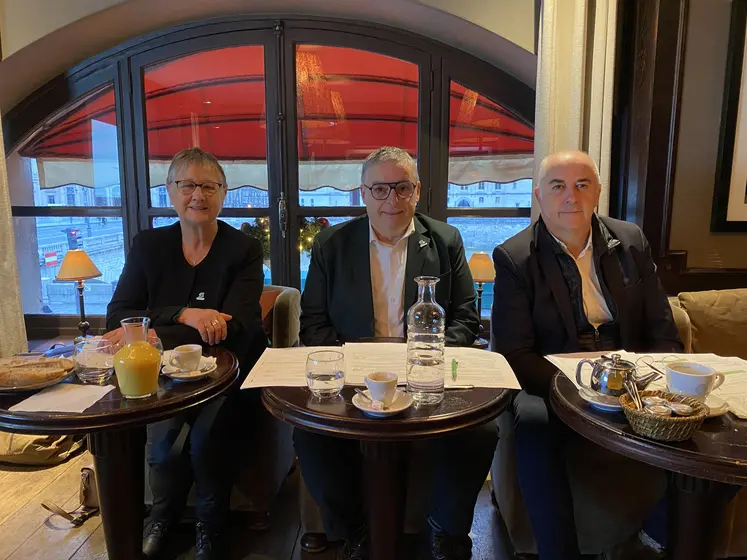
{"points": [[138, 363]]}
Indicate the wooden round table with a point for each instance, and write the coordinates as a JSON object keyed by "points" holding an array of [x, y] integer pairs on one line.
{"points": [[382, 441], [705, 472], [116, 439]]}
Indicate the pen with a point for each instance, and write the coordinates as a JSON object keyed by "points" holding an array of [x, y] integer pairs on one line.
{"points": [[454, 364]]}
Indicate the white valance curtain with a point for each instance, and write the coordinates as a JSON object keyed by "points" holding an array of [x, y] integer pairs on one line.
{"points": [[343, 175], [575, 82], [12, 327]]}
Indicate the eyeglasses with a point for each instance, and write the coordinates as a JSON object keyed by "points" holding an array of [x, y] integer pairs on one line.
{"points": [[381, 191], [209, 188]]}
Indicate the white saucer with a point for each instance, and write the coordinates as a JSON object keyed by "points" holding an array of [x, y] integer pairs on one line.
{"points": [[717, 406], [402, 401], [207, 366], [602, 403]]}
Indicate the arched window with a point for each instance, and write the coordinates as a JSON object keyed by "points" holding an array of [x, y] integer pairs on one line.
{"points": [[291, 117]]}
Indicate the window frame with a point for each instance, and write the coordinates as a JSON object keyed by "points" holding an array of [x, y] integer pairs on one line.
{"points": [[122, 65], [354, 39], [480, 77]]}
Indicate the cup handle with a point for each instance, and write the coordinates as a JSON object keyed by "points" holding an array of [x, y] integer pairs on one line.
{"points": [[718, 380], [579, 379], [174, 361]]}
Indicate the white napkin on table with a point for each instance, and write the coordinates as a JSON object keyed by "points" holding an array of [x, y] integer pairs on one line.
{"points": [[738, 406], [64, 397]]}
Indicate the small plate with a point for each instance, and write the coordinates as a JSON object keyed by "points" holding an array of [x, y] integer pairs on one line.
{"points": [[37, 386], [207, 366], [717, 405], [402, 401], [602, 403]]}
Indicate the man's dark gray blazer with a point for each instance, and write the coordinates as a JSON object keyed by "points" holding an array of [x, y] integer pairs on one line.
{"points": [[337, 302], [532, 310]]}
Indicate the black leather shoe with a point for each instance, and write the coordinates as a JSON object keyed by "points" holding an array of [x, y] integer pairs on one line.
{"points": [[314, 543], [444, 546], [207, 543], [356, 548], [154, 543]]}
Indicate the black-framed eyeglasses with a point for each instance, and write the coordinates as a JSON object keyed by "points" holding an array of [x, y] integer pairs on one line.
{"points": [[209, 188], [381, 191]]}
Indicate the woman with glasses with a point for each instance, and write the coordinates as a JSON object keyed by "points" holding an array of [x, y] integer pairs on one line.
{"points": [[199, 281]]}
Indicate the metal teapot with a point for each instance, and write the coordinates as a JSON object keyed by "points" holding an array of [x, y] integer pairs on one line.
{"points": [[608, 375]]}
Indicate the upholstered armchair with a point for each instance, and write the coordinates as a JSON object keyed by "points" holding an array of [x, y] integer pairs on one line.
{"points": [[259, 481]]}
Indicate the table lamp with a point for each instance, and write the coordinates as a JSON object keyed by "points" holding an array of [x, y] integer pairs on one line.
{"points": [[481, 267], [77, 266]]}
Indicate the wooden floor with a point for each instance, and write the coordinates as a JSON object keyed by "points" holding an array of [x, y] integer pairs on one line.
{"points": [[27, 531]]}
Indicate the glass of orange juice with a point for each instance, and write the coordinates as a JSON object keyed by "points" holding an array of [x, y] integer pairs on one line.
{"points": [[138, 363]]}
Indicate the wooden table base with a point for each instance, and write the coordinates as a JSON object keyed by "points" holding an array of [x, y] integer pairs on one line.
{"points": [[696, 514], [385, 479], [119, 457]]}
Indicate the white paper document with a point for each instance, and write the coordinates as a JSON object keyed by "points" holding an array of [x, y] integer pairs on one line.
{"points": [[282, 367], [480, 368], [363, 358], [286, 367], [64, 397], [733, 391]]}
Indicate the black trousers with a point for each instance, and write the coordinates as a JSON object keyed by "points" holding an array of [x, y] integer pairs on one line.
{"points": [[540, 466], [205, 446], [458, 465]]}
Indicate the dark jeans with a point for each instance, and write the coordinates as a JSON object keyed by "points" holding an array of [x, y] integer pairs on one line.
{"points": [[459, 464], [207, 453], [540, 465], [541, 439]]}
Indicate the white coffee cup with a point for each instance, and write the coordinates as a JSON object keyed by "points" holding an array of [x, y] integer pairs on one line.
{"points": [[382, 386], [186, 357], [693, 379]]}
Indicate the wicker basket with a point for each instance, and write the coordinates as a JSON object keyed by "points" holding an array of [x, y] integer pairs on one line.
{"points": [[664, 428]]}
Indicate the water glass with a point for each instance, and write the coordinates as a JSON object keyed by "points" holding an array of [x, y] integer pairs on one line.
{"points": [[325, 373], [94, 360]]}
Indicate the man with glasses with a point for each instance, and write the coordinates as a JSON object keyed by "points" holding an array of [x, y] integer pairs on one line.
{"points": [[360, 285]]}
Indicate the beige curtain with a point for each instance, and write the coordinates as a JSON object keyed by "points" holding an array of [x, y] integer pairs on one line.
{"points": [[12, 328], [575, 81]]}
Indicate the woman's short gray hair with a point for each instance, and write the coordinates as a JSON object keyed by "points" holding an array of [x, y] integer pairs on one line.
{"points": [[390, 153], [194, 156]]}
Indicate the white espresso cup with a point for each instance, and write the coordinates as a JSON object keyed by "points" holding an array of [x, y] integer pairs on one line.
{"points": [[693, 379], [382, 386], [186, 357]]}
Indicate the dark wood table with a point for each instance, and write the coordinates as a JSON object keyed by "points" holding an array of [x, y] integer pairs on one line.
{"points": [[382, 441], [116, 439], [705, 471]]}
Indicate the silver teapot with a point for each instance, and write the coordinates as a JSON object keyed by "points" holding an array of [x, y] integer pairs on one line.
{"points": [[609, 374]]}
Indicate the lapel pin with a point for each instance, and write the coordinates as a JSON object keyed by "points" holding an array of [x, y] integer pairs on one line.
{"points": [[200, 296], [422, 243]]}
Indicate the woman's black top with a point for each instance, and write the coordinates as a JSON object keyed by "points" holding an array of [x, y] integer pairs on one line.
{"points": [[157, 282]]}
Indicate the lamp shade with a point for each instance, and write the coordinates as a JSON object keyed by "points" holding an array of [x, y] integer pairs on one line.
{"points": [[77, 265], [481, 267]]}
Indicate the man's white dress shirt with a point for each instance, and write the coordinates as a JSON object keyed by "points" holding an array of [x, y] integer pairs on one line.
{"points": [[595, 305], [388, 264]]}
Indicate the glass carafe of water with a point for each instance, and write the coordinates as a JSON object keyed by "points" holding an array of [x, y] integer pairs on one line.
{"points": [[426, 321], [138, 362]]}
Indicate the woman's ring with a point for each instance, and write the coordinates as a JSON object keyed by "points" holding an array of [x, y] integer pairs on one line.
{"points": [[215, 322]]}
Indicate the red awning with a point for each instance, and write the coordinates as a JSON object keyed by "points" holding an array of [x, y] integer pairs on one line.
{"points": [[350, 102]]}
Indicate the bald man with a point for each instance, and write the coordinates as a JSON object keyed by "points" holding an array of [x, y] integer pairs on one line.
{"points": [[573, 281]]}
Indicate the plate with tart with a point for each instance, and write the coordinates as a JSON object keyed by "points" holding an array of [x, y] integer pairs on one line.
{"points": [[20, 374]]}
